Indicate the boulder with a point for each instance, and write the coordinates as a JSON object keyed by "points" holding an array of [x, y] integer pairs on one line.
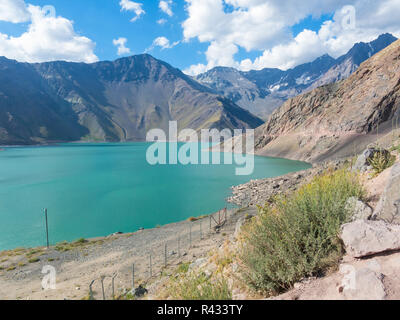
{"points": [[359, 210], [363, 160], [388, 208], [365, 238], [365, 285]]}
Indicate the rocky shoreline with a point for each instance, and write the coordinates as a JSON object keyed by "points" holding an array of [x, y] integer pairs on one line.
{"points": [[259, 192]]}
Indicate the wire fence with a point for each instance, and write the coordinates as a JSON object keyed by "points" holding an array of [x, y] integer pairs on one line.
{"points": [[158, 259]]}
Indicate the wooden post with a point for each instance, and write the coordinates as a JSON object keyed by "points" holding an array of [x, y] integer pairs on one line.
{"points": [[201, 230], [210, 222], [47, 229], [133, 276], [151, 268]]}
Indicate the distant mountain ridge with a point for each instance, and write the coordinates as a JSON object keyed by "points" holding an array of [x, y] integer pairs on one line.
{"points": [[340, 119], [106, 101], [261, 92]]}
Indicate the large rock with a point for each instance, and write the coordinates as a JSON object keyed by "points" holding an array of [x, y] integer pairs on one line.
{"points": [[365, 238], [363, 161], [365, 285], [388, 208], [359, 210]]}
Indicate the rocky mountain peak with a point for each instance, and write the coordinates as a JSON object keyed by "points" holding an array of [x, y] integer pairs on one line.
{"points": [[262, 91], [338, 119]]}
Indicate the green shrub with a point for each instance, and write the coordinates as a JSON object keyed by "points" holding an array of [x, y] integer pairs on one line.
{"points": [[395, 148], [381, 161], [183, 268], [80, 241], [297, 237], [197, 286]]}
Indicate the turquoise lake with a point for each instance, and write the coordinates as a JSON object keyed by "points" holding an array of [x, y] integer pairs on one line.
{"points": [[94, 190]]}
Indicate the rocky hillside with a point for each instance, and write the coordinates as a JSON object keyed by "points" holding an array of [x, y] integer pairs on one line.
{"points": [[106, 101], [261, 92], [339, 119]]}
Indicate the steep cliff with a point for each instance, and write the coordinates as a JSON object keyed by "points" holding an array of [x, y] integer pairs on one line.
{"points": [[339, 119]]}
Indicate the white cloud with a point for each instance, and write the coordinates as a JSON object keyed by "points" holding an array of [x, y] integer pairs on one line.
{"points": [[48, 38], [120, 43], [163, 43], [162, 21], [165, 6], [14, 11], [127, 5], [265, 25], [196, 69]]}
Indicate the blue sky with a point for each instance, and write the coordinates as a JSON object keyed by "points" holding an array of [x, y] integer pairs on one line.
{"points": [[246, 34]]}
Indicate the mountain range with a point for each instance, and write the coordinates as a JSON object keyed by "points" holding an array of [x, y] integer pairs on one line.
{"points": [[263, 91], [341, 119], [106, 101], [122, 100]]}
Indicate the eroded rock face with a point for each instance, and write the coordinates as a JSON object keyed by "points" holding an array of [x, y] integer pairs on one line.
{"points": [[337, 120], [365, 238], [388, 208]]}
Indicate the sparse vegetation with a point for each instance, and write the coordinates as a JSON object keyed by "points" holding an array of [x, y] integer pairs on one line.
{"points": [[80, 241], [33, 260], [193, 219], [395, 147], [198, 286], [297, 236], [183, 268], [381, 161]]}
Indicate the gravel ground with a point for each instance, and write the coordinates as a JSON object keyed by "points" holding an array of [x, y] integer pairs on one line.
{"points": [[78, 266]]}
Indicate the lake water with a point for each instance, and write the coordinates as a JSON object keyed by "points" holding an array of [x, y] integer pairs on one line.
{"points": [[94, 190]]}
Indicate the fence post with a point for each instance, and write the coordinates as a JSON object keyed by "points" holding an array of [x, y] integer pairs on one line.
{"points": [[47, 228], [91, 291], [151, 268], [179, 246], [201, 230], [210, 223], [133, 276], [113, 288], [165, 255], [102, 287]]}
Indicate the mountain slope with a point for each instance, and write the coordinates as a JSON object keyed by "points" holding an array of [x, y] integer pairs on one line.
{"points": [[337, 119], [107, 101], [263, 91]]}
